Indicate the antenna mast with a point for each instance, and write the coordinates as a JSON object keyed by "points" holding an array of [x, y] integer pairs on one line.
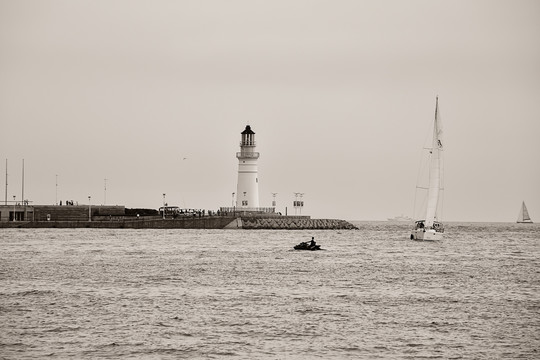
{"points": [[22, 195], [5, 201]]}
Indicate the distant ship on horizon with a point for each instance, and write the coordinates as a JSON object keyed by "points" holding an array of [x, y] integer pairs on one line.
{"points": [[401, 218]]}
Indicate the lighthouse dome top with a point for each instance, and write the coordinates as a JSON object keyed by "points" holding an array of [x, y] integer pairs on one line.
{"points": [[247, 130]]}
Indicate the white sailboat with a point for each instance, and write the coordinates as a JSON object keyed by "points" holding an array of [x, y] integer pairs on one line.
{"points": [[430, 228], [523, 216]]}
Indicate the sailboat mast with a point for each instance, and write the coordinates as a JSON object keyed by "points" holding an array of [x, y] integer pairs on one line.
{"points": [[436, 106], [435, 170]]}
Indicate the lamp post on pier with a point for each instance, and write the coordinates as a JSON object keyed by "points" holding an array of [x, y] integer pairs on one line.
{"points": [[89, 209], [14, 209]]}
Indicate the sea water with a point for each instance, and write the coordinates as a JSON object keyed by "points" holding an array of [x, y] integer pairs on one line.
{"points": [[239, 294]]}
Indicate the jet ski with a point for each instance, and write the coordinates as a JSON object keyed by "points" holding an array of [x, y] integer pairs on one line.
{"points": [[307, 246]]}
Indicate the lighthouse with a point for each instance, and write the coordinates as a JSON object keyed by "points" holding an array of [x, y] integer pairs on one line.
{"points": [[247, 194]]}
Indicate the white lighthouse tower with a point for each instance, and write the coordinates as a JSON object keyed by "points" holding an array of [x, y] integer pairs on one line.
{"points": [[247, 193]]}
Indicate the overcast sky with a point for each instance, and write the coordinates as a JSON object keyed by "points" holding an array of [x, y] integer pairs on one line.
{"points": [[340, 94]]}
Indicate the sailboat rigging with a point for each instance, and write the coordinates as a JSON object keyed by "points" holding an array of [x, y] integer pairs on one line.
{"points": [[430, 228]]}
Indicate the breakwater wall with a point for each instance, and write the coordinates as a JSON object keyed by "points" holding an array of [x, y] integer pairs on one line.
{"points": [[208, 222], [285, 223]]}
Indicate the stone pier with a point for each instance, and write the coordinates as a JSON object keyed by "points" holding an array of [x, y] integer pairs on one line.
{"points": [[205, 222]]}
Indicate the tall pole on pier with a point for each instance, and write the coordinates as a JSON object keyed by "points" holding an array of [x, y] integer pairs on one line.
{"points": [[22, 194], [105, 193], [56, 196], [5, 201]]}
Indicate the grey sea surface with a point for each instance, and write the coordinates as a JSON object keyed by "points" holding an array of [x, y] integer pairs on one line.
{"points": [[238, 294]]}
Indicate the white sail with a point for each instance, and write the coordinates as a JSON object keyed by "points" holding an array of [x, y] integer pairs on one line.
{"points": [[523, 214], [435, 171]]}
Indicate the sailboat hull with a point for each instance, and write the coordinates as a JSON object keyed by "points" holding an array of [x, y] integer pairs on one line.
{"points": [[428, 235]]}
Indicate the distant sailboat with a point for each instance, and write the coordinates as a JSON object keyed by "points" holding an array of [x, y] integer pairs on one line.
{"points": [[429, 228], [523, 216]]}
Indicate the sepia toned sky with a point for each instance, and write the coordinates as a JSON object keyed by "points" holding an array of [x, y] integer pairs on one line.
{"points": [[153, 95]]}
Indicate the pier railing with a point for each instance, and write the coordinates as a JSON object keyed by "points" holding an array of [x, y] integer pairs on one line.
{"points": [[246, 210]]}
